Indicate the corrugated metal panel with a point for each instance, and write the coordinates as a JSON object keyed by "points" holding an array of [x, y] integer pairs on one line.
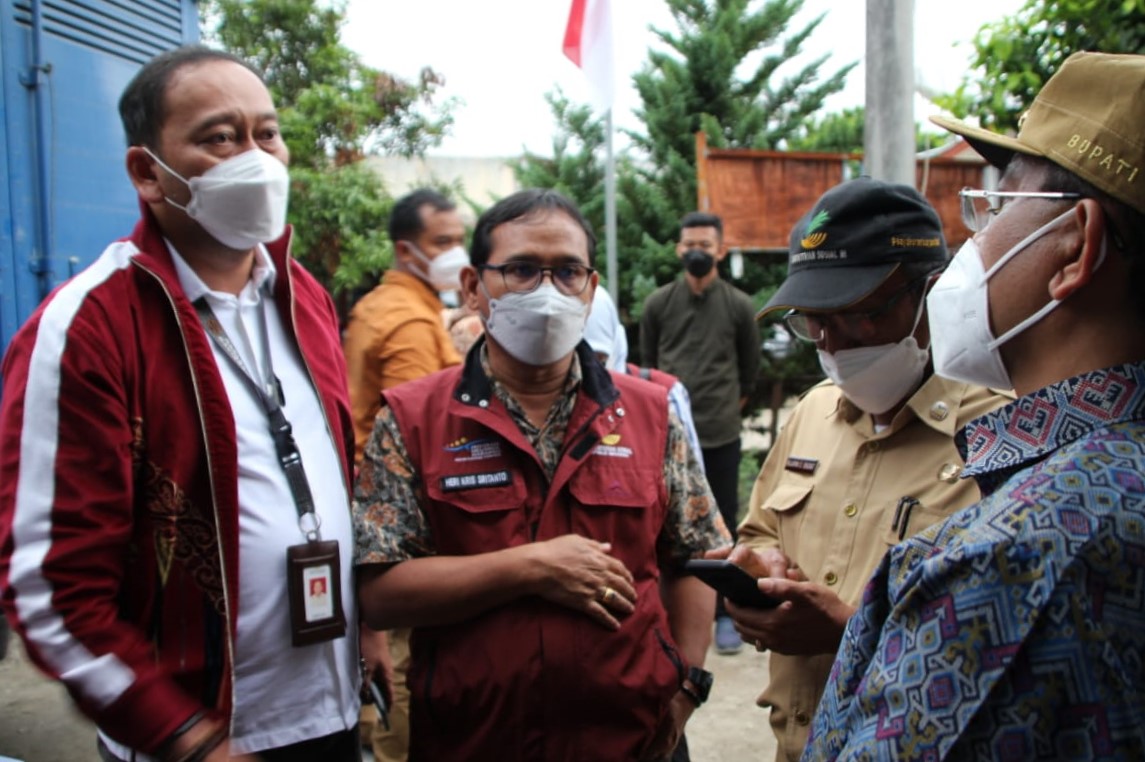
{"points": [[136, 30], [74, 154]]}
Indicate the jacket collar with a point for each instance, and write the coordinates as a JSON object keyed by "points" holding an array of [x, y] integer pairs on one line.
{"points": [[414, 285], [154, 254], [1031, 427], [475, 388]]}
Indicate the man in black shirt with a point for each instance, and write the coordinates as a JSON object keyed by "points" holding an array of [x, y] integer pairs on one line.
{"points": [[702, 330]]}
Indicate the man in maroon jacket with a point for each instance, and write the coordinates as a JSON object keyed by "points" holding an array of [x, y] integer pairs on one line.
{"points": [[150, 489]]}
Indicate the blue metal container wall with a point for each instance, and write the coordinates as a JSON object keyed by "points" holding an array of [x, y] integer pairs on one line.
{"points": [[65, 159]]}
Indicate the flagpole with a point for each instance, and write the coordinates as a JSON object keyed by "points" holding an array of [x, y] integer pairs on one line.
{"points": [[610, 211]]}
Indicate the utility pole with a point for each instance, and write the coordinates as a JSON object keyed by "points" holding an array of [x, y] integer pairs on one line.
{"points": [[888, 143]]}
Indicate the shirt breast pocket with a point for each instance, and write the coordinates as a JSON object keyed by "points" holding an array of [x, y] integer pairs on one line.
{"points": [[909, 518], [787, 501]]}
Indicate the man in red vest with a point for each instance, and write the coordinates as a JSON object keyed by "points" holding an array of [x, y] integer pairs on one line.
{"points": [[519, 513]]}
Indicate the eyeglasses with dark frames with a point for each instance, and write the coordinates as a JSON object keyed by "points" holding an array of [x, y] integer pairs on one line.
{"points": [[980, 206], [521, 277], [812, 326]]}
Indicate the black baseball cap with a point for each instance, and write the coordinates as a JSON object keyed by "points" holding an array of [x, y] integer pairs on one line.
{"points": [[855, 236]]}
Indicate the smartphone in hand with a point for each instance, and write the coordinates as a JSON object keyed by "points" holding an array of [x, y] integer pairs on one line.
{"points": [[379, 700], [730, 581]]}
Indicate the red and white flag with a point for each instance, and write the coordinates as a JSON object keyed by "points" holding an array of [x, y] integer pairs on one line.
{"points": [[588, 44]]}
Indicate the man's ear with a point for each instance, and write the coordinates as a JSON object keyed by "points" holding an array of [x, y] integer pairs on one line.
{"points": [[1085, 242], [402, 254], [141, 170], [469, 285], [721, 250]]}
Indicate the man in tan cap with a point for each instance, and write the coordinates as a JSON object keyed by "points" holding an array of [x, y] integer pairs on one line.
{"points": [[1015, 629]]}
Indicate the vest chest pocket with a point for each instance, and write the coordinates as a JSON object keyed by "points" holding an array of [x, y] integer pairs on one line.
{"points": [[623, 506], [476, 512], [616, 487]]}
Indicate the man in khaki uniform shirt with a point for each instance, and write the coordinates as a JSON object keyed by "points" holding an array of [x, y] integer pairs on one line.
{"points": [[867, 457]]}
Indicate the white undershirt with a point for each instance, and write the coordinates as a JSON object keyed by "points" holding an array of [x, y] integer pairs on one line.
{"points": [[282, 695]]}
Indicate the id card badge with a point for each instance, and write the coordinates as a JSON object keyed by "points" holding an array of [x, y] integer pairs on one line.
{"points": [[314, 587]]}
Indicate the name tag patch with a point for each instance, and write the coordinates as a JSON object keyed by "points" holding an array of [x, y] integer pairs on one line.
{"points": [[802, 465], [475, 481]]}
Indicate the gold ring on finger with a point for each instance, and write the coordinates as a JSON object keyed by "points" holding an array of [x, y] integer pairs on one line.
{"points": [[606, 595]]}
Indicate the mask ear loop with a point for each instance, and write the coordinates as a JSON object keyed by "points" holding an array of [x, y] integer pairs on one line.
{"points": [[173, 173], [918, 316], [1052, 304]]}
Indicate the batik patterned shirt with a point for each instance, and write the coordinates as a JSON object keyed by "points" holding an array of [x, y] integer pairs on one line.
{"points": [[1015, 629]]}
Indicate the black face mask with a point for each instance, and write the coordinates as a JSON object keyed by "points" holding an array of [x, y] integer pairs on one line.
{"points": [[698, 263]]}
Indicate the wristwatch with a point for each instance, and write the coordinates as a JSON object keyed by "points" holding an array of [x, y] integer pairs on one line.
{"points": [[697, 685]]}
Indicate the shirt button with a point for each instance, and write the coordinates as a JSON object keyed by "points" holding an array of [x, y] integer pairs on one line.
{"points": [[850, 510], [483, 403], [949, 472], [464, 397], [801, 718], [620, 412], [831, 578], [939, 410]]}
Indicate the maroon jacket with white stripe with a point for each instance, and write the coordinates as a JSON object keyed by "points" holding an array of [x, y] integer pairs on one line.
{"points": [[119, 485]]}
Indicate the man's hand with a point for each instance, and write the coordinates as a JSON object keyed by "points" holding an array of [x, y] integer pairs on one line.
{"points": [[205, 732], [671, 728], [810, 620], [376, 662], [581, 574], [769, 562]]}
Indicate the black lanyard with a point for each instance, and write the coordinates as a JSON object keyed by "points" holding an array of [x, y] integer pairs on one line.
{"points": [[272, 398]]}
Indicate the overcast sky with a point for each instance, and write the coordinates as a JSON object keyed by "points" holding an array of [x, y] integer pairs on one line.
{"points": [[500, 57]]}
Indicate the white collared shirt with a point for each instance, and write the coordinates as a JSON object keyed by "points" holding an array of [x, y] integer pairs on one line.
{"points": [[282, 695]]}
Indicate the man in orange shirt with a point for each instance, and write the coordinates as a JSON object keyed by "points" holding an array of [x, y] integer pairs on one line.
{"points": [[396, 334]]}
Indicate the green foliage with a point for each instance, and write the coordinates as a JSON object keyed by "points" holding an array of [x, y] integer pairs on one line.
{"points": [[722, 72], [334, 111], [1016, 55], [577, 170], [341, 226], [837, 132], [843, 131]]}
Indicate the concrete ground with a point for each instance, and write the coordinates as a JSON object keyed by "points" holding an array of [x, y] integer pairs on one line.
{"points": [[38, 723]]}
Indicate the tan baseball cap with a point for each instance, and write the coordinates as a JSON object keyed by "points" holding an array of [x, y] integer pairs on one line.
{"points": [[1088, 118]]}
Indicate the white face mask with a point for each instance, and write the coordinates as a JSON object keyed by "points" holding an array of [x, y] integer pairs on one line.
{"points": [[241, 202], [443, 272], [537, 328], [877, 378], [958, 306]]}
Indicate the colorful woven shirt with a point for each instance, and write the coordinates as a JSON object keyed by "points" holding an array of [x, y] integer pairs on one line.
{"points": [[1015, 630]]}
